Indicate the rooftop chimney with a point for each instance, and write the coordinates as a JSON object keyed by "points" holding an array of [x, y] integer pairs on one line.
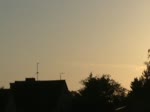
{"points": [[30, 79]]}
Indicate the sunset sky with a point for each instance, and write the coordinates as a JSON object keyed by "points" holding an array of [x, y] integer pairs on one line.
{"points": [[75, 37]]}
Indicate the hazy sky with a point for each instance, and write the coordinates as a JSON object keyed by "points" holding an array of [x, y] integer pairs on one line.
{"points": [[75, 37]]}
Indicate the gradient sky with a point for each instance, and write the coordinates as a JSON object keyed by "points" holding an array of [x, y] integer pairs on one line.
{"points": [[75, 37]]}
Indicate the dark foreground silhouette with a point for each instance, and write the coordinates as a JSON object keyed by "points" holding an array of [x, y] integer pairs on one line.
{"points": [[98, 94], [36, 96]]}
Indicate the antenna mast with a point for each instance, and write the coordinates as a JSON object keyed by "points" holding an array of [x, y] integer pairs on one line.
{"points": [[37, 73]]}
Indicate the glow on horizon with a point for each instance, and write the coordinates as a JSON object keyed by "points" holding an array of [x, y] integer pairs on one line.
{"points": [[74, 37]]}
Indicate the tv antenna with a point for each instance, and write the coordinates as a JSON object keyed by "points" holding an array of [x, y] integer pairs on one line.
{"points": [[37, 73], [61, 75]]}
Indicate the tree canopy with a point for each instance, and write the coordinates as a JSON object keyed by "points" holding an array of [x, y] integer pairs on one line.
{"points": [[139, 96], [100, 94]]}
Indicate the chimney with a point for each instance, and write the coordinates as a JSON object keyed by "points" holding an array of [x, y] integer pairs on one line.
{"points": [[30, 79]]}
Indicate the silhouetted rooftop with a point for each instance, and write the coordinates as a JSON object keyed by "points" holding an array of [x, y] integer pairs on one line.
{"points": [[38, 95]]}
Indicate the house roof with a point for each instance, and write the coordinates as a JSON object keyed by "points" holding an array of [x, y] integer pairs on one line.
{"points": [[38, 95]]}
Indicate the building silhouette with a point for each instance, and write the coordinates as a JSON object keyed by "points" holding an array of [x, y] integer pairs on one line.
{"points": [[37, 96]]}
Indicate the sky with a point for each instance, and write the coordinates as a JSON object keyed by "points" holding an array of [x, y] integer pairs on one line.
{"points": [[75, 37]]}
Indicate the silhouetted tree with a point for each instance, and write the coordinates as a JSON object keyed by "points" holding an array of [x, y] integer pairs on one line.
{"points": [[139, 96], [99, 94]]}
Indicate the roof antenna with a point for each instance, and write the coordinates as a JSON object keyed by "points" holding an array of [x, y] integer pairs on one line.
{"points": [[61, 75], [37, 73]]}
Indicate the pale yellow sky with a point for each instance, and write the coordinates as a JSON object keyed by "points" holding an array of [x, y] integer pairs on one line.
{"points": [[75, 37]]}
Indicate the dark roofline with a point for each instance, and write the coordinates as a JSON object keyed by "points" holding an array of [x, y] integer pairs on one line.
{"points": [[32, 79], [59, 82], [40, 81]]}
